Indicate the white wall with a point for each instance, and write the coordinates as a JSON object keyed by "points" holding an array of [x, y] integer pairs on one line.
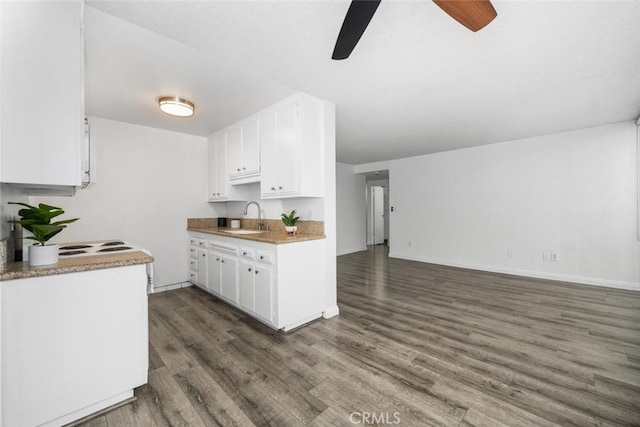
{"points": [[571, 193], [351, 209], [149, 182]]}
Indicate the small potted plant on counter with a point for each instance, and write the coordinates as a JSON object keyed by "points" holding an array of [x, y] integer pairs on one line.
{"points": [[37, 220], [289, 222]]}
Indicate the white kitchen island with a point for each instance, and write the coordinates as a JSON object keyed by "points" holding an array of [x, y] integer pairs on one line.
{"points": [[73, 343]]}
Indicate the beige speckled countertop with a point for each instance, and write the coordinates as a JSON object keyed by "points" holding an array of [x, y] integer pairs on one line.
{"points": [[308, 230], [274, 237], [22, 270]]}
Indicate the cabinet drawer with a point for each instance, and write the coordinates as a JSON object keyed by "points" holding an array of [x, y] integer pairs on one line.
{"points": [[248, 253], [222, 247], [265, 257]]}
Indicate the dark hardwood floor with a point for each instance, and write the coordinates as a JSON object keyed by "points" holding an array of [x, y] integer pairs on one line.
{"points": [[415, 344]]}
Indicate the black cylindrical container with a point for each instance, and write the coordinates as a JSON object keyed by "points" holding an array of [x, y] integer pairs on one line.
{"points": [[222, 222]]}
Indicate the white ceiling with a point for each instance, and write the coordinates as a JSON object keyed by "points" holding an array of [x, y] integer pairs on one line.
{"points": [[418, 82]]}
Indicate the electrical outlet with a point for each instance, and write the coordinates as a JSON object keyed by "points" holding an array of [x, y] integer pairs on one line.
{"points": [[545, 256], [553, 257], [308, 214], [510, 253]]}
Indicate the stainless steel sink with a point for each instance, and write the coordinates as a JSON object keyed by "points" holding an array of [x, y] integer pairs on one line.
{"points": [[242, 231]]}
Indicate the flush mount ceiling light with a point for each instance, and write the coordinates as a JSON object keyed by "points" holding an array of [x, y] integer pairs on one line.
{"points": [[176, 106]]}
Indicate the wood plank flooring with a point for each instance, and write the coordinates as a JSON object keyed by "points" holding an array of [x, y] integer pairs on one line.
{"points": [[415, 345]]}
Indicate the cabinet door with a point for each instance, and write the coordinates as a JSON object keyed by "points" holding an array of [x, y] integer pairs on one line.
{"points": [[247, 297], [222, 190], [213, 271], [269, 154], [264, 292], [287, 149], [250, 147], [229, 276], [202, 267], [234, 151], [42, 87], [212, 168]]}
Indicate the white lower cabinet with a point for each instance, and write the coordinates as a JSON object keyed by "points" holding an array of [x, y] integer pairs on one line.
{"points": [[193, 264], [198, 260], [72, 344], [263, 285], [256, 290], [222, 269], [202, 267], [229, 278], [273, 283], [213, 271]]}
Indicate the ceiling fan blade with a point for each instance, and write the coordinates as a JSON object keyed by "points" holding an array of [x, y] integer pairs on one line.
{"points": [[473, 14], [355, 22]]}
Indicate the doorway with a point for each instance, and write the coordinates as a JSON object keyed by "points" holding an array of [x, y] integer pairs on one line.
{"points": [[377, 215], [377, 195]]}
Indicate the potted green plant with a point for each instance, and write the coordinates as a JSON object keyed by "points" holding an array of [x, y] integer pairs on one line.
{"points": [[37, 220], [289, 221]]}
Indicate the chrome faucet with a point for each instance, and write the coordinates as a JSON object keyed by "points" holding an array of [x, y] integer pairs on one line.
{"points": [[246, 208]]}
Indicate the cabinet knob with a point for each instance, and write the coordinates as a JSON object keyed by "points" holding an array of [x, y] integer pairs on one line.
{"points": [[238, 169], [244, 169], [257, 271], [204, 255], [248, 269], [273, 188], [217, 259], [261, 256], [244, 253], [221, 260], [279, 188]]}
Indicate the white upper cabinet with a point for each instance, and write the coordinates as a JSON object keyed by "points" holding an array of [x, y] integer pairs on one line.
{"points": [[217, 168], [282, 147], [244, 151], [250, 148], [292, 149], [234, 153], [219, 188], [41, 93]]}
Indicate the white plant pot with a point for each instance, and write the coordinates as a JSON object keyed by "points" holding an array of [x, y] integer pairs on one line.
{"points": [[43, 255], [291, 228]]}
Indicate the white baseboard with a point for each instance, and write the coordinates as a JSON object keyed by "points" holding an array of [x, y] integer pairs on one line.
{"points": [[351, 250], [617, 284], [157, 289], [330, 312]]}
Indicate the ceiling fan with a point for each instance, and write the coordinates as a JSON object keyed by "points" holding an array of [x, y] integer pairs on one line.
{"points": [[473, 14]]}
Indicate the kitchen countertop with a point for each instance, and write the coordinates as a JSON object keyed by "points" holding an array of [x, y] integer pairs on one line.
{"points": [[22, 270], [274, 237]]}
